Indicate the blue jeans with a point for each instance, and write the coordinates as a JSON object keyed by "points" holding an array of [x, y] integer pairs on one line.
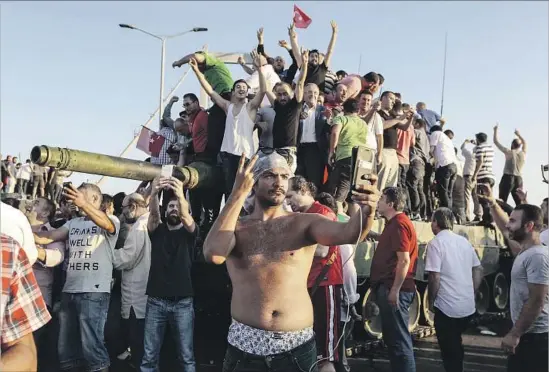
{"points": [[394, 325], [300, 359], [180, 316], [81, 331]]}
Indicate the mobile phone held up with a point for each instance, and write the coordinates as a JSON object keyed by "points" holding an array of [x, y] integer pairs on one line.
{"points": [[363, 163], [167, 171]]}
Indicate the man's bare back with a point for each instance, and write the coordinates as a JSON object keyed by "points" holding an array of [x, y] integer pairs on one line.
{"points": [[268, 268]]}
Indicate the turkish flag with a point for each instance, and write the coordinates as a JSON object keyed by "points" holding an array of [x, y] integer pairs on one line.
{"points": [[150, 142], [301, 20]]}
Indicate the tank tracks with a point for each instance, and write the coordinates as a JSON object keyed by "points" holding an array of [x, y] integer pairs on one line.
{"points": [[373, 347]]}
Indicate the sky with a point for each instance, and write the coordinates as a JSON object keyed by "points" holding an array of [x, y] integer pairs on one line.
{"points": [[70, 77]]}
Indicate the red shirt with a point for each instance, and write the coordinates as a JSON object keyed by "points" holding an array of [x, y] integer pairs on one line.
{"points": [[199, 130], [334, 276], [399, 235]]}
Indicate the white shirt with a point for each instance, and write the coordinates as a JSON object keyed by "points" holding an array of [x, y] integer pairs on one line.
{"points": [[544, 237], [14, 224], [453, 257], [375, 127], [134, 259], [470, 161], [309, 127], [271, 78], [240, 137], [25, 172], [347, 253], [459, 166], [444, 149]]}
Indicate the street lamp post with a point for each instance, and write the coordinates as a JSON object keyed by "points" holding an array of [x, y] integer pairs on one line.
{"points": [[163, 39]]}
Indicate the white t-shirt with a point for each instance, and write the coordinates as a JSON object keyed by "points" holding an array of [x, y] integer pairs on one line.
{"points": [[375, 127], [90, 250], [14, 224], [25, 172], [444, 149], [453, 257]]}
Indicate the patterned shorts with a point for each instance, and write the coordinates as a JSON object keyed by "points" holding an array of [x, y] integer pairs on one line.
{"points": [[260, 342]]}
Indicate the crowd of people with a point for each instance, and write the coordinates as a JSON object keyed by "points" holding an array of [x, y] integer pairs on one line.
{"points": [[284, 136]]}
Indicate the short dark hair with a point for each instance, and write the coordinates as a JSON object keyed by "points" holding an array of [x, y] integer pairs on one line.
{"points": [[371, 77], [531, 213], [366, 92], [436, 128], [183, 113], [381, 78], [397, 196], [444, 217], [106, 201], [341, 72], [328, 200], [420, 122], [117, 201], [449, 132], [191, 96], [239, 81], [350, 106], [300, 184], [386, 93], [398, 95], [314, 51], [481, 137], [515, 144]]}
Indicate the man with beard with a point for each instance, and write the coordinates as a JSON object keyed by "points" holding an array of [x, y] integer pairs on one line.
{"points": [[85, 297], [169, 287], [134, 260], [239, 136], [288, 105], [526, 342], [268, 255]]}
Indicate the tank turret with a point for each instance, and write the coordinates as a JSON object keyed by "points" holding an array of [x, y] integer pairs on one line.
{"points": [[195, 175]]}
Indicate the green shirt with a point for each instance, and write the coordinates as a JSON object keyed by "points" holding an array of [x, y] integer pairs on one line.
{"points": [[217, 74], [353, 133]]}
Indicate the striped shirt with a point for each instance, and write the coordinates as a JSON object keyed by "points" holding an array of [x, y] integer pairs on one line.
{"points": [[487, 151]]}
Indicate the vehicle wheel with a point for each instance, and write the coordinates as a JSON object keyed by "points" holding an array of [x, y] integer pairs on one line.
{"points": [[482, 299], [414, 312], [428, 315], [500, 292], [371, 317]]}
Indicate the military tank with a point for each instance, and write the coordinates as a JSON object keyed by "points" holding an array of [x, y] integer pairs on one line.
{"points": [[493, 294]]}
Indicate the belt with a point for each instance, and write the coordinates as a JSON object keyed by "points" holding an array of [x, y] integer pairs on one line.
{"points": [[170, 298]]}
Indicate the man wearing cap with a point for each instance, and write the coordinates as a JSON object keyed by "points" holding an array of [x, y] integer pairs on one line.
{"points": [[268, 255]]}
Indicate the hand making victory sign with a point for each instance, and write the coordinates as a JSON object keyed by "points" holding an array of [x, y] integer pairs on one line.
{"points": [[244, 181]]}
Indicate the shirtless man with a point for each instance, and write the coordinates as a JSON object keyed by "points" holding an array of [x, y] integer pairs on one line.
{"points": [[268, 255], [240, 138]]}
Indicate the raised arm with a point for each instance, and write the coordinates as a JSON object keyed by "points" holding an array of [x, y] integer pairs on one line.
{"points": [[301, 82], [295, 46], [321, 230], [199, 57], [221, 239], [261, 43], [401, 120], [521, 140], [186, 219], [167, 114], [254, 104], [330, 50], [218, 100], [501, 148], [98, 217], [154, 205], [247, 69], [47, 237]]}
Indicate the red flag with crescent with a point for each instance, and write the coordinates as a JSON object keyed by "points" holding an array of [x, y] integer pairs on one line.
{"points": [[301, 20]]}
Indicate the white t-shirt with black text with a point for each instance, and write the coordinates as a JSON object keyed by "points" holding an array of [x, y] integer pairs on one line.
{"points": [[90, 250]]}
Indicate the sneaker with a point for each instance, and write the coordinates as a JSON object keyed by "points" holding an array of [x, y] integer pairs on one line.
{"points": [[125, 355]]}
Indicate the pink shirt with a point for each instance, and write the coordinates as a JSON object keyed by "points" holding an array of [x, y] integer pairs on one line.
{"points": [[354, 85], [406, 139]]}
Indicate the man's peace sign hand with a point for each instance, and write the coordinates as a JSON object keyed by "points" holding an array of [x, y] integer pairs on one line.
{"points": [[244, 180]]}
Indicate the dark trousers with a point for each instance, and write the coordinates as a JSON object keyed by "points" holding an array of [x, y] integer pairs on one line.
{"points": [[414, 182], [230, 167], [207, 201], [509, 185], [134, 330], [449, 332], [21, 186], [530, 354], [445, 177], [401, 183], [427, 182], [310, 163], [394, 325], [299, 359], [340, 179], [45, 339], [216, 129]]}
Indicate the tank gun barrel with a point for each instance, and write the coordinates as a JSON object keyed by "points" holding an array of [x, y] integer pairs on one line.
{"points": [[195, 175]]}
